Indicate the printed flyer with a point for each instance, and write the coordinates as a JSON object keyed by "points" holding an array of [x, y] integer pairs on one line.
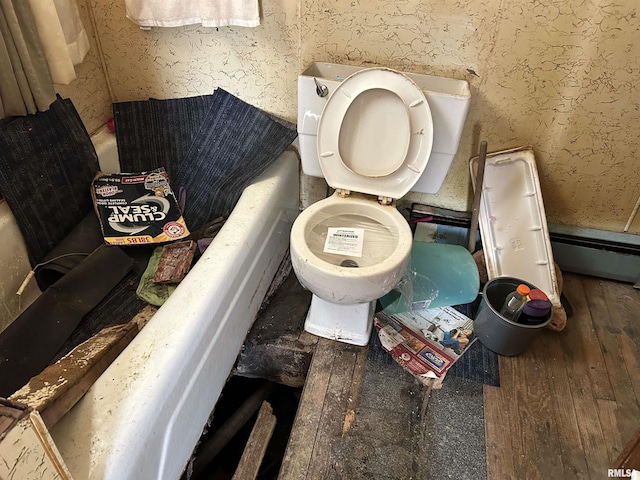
{"points": [[425, 342]]}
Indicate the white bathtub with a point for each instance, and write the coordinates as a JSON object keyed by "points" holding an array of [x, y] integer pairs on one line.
{"points": [[145, 414]]}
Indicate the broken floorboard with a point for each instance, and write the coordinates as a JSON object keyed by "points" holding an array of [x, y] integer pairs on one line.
{"points": [[277, 348], [58, 387], [257, 444], [359, 417]]}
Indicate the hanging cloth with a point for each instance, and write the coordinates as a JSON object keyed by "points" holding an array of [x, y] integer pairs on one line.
{"points": [[209, 13], [25, 81], [63, 36]]}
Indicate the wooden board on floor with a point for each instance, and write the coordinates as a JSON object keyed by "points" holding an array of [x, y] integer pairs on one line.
{"points": [[630, 456], [357, 419], [257, 444]]}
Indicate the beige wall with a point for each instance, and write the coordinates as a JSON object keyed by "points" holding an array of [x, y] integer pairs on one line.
{"points": [[560, 75]]}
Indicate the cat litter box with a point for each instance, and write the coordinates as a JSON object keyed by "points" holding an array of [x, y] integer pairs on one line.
{"points": [[512, 220]]}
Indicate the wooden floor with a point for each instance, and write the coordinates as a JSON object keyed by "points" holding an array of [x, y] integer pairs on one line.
{"points": [[566, 408]]}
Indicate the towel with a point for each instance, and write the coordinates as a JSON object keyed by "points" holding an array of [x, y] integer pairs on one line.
{"points": [[210, 13]]}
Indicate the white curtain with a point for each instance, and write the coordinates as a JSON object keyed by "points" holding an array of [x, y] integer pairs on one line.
{"points": [[25, 81], [63, 36]]}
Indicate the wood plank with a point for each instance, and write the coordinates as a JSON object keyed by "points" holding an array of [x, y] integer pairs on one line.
{"points": [[627, 305], [624, 307], [353, 395], [257, 444], [524, 418], [297, 458], [502, 425], [543, 447], [497, 433], [581, 346], [334, 408], [577, 344], [608, 418], [58, 387], [630, 455], [610, 331], [630, 351], [563, 413], [514, 400]]}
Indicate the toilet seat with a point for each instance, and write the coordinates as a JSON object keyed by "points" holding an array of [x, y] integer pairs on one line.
{"points": [[375, 134]]}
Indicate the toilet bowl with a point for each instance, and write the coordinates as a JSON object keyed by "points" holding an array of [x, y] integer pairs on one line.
{"points": [[373, 142]]}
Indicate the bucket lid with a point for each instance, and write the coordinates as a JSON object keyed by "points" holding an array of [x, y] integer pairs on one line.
{"points": [[537, 308]]}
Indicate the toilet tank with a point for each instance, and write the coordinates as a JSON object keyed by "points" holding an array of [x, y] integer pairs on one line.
{"points": [[448, 100]]}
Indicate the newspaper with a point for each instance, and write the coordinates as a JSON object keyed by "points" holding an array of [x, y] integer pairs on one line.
{"points": [[425, 342]]}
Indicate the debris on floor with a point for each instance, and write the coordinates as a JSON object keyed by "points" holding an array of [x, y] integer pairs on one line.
{"points": [[426, 342]]}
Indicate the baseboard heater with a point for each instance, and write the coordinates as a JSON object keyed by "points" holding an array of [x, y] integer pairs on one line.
{"points": [[599, 253]]}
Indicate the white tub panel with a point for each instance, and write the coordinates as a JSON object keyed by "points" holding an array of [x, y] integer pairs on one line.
{"points": [[104, 141], [144, 416], [14, 267]]}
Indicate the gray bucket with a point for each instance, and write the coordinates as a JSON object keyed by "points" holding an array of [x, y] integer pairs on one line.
{"points": [[497, 333]]}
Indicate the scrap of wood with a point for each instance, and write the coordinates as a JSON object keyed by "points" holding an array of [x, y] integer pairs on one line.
{"points": [[175, 262], [26, 448], [257, 444], [629, 458], [58, 388]]}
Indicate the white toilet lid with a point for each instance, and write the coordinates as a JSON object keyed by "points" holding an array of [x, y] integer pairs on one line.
{"points": [[375, 134]]}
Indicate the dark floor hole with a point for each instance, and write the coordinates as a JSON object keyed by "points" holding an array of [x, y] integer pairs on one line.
{"points": [[284, 401]]}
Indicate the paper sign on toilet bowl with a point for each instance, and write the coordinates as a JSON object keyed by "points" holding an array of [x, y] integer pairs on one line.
{"points": [[344, 241]]}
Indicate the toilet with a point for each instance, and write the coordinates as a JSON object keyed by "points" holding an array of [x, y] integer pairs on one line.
{"points": [[374, 139]]}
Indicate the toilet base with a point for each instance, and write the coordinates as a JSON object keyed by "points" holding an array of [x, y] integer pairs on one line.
{"points": [[345, 323]]}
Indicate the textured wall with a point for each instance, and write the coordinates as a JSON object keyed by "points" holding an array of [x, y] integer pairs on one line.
{"points": [[258, 65], [560, 75]]}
